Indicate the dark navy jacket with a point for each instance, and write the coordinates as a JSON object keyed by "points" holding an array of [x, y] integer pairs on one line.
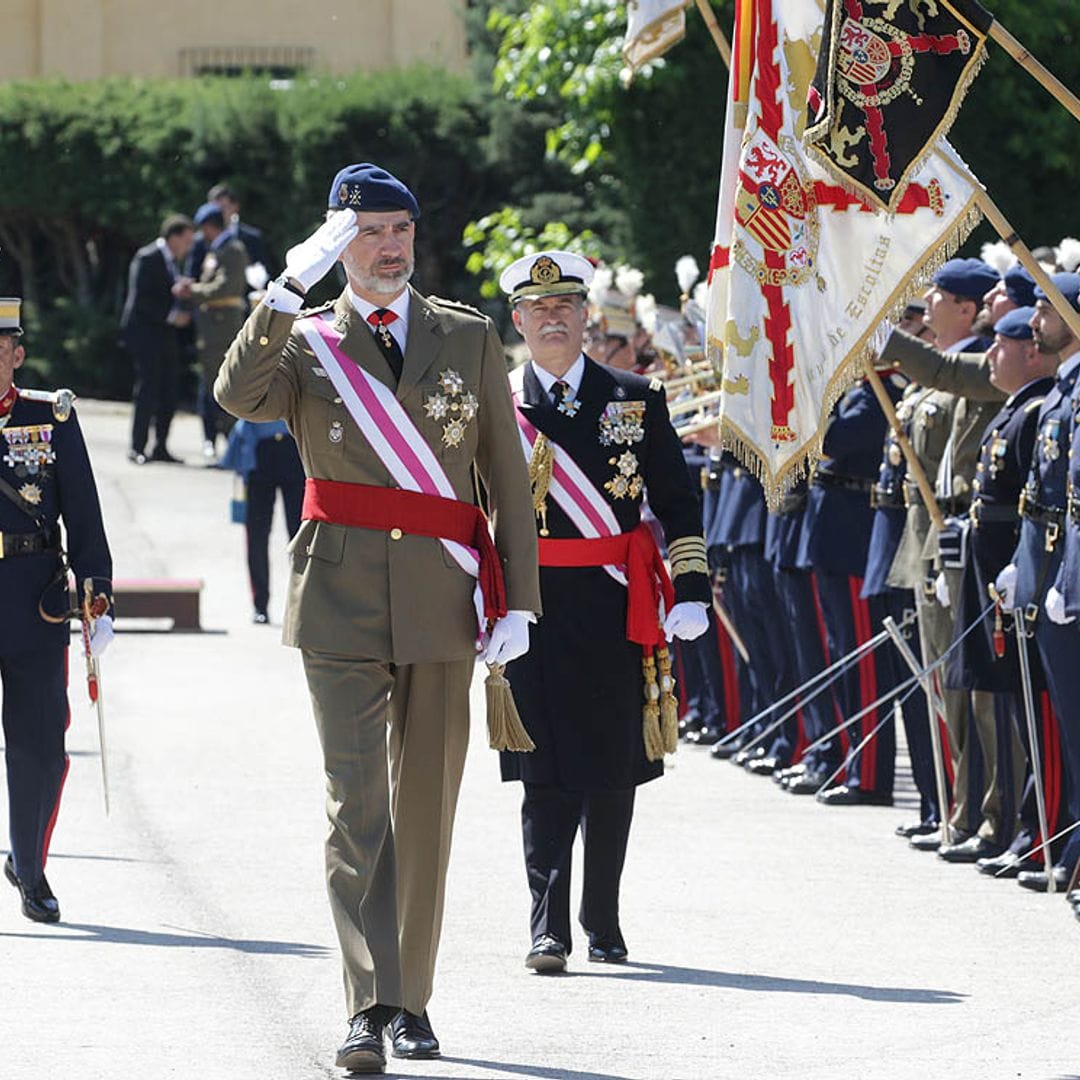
{"points": [[784, 528], [61, 489], [1068, 577], [740, 517]]}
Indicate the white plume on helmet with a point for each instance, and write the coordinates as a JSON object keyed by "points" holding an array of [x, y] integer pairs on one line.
{"points": [[998, 255], [1067, 254], [686, 273]]}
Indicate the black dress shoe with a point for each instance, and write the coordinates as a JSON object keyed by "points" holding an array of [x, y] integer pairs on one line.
{"points": [[38, 902], [762, 766], [807, 783], [1036, 880], [690, 722], [744, 757], [930, 841], [783, 775], [706, 736], [923, 828], [363, 1050], [412, 1036], [849, 796], [724, 751], [163, 455], [607, 950], [970, 850], [137, 457], [547, 956], [1007, 865], [260, 618]]}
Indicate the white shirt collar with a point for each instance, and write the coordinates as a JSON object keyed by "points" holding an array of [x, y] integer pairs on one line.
{"points": [[399, 306], [572, 378]]}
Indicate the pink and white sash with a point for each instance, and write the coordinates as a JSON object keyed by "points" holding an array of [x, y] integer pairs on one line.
{"points": [[576, 495], [395, 438]]}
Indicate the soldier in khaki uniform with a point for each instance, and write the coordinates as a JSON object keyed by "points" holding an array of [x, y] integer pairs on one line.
{"points": [[221, 298], [378, 602]]}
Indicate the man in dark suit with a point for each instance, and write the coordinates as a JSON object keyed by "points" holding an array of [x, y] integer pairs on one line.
{"points": [[248, 235], [149, 327], [45, 476], [596, 696]]}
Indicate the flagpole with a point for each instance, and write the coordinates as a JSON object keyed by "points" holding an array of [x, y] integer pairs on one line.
{"points": [[915, 469], [722, 46], [1017, 246], [1047, 79]]}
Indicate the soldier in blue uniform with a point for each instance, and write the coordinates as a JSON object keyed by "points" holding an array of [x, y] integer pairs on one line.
{"points": [[581, 694], [45, 478], [1033, 569]]}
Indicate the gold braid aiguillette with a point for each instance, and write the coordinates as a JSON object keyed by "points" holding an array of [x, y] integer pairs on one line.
{"points": [[541, 463]]}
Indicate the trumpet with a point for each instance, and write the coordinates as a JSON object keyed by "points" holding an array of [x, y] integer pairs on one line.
{"points": [[61, 400], [691, 404], [693, 375]]}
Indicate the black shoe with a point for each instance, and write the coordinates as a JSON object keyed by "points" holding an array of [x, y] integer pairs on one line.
{"points": [[137, 457], [38, 903], [363, 1050], [849, 796], [1007, 865], [724, 751], [930, 841], [1036, 880], [706, 736], [807, 783], [412, 1036], [260, 618], [548, 955], [163, 455], [607, 950], [762, 766], [744, 757], [970, 850], [782, 776], [923, 828], [690, 722]]}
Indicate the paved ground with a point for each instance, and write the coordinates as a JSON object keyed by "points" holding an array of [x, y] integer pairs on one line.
{"points": [[770, 937]]}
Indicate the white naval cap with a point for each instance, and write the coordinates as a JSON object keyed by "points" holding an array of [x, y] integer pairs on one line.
{"points": [[546, 273]]}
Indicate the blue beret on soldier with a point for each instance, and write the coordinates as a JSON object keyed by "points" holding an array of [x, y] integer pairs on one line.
{"points": [[9, 315], [210, 211], [1068, 285], [1019, 286], [1016, 324], [368, 187], [970, 279]]}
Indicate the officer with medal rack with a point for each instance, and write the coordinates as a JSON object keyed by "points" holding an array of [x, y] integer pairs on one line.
{"points": [[594, 690], [45, 478]]}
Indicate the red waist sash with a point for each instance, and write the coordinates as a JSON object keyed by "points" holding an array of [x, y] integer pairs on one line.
{"points": [[647, 577], [364, 506]]}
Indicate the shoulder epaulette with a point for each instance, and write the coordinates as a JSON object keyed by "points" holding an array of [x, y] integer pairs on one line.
{"points": [[1034, 403], [656, 383], [456, 305]]}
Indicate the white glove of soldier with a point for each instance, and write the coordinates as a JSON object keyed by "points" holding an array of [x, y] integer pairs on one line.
{"points": [[941, 590], [1005, 583], [101, 636], [509, 638], [686, 621], [1055, 608], [311, 259]]}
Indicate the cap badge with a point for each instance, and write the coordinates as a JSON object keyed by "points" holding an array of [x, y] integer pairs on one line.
{"points": [[545, 271]]}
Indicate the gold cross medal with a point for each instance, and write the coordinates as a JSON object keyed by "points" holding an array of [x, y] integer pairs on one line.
{"points": [[384, 333]]}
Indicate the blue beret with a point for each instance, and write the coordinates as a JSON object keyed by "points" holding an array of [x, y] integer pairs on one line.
{"points": [[1016, 324], [1019, 286], [971, 279], [1068, 285], [208, 212], [367, 187]]}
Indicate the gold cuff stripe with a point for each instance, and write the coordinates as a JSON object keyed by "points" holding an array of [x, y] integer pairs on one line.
{"points": [[689, 566], [688, 546]]}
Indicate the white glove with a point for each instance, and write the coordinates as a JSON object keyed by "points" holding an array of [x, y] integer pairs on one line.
{"points": [[311, 259], [1055, 608], [941, 590], [101, 635], [1005, 583], [509, 638], [686, 621]]}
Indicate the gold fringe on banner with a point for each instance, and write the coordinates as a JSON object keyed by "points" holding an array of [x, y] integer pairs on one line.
{"points": [[505, 729]]}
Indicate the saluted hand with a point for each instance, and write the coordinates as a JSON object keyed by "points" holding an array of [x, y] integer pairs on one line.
{"points": [[310, 260]]}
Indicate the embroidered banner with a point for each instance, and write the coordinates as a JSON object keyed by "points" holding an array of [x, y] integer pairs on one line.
{"points": [[802, 270], [889, 83], [652, 27]]}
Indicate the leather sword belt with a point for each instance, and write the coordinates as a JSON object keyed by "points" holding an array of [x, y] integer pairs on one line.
{"points": [[32, 543], [891, 498], [1052, 517], [225, 302], [397, 512], [647, 577], [849, 483], [992, 513]]}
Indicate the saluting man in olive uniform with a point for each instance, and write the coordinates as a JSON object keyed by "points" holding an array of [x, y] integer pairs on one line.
{"points": [[393, 399]]}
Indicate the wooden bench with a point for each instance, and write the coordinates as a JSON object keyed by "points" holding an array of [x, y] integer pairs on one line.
{"points": [[159, 598]]}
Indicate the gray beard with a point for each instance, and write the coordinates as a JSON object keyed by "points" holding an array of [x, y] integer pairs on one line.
{"points": [[384, 286]]}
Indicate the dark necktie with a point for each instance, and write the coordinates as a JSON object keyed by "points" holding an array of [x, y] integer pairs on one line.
{"points": [[560, 391], [380, 320]]}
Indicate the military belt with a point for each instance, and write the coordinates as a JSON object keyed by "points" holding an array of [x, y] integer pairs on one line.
{"points": [[985, 513], [32, 543], [849, 483], [886, 497], [1040, 513], [913, 497]]}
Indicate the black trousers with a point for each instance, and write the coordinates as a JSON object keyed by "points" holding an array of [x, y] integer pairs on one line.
{"points": [[35, 717], [157, 381], [550, 818], [277, 468]]}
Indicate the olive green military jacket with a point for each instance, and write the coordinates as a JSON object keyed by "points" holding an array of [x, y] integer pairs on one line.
{"points": [[360, 592], [221, 296]]}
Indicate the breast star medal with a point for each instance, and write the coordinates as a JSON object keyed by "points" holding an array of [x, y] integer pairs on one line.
{"points": [[454, 404], [31, 493]]}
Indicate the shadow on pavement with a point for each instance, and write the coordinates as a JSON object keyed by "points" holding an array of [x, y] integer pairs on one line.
{"points": [[187, 939], [774, 984], [541, 1072]]}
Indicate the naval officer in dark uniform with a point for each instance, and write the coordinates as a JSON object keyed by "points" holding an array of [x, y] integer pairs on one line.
{"points": [[45, 478], [588, 696]]}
